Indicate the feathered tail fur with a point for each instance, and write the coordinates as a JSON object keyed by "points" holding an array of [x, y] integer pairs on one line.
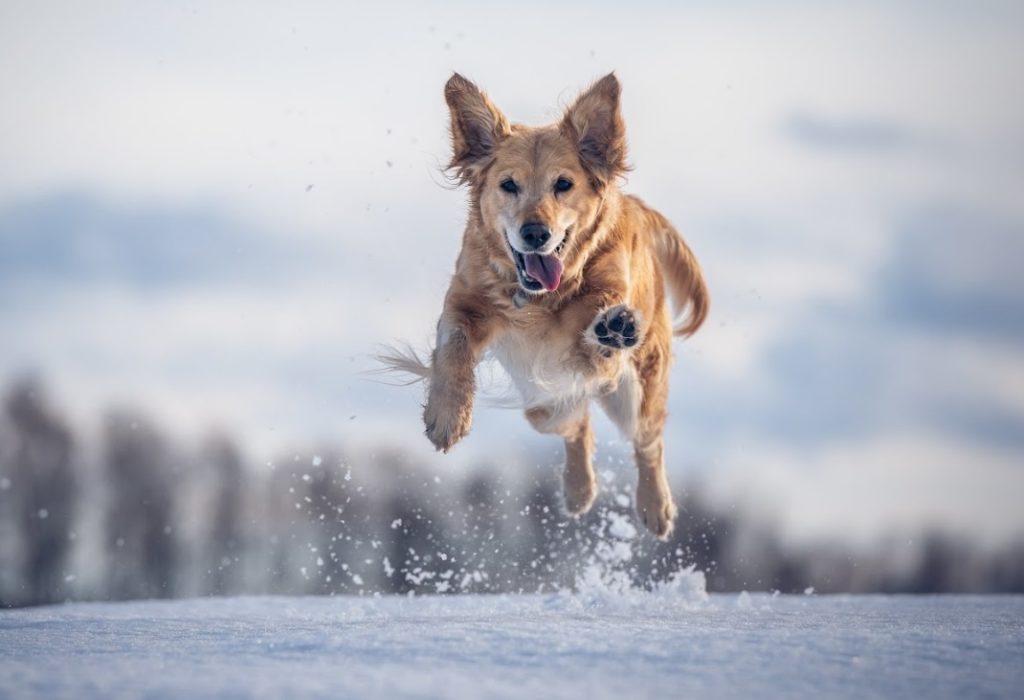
{"points": [[403, 359], [684, 279]]}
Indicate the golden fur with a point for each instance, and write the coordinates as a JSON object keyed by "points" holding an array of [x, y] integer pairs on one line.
{"points": [[604, 331]]}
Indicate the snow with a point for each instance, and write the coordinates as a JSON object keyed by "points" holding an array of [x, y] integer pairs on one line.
{"points": [[675, 642]]}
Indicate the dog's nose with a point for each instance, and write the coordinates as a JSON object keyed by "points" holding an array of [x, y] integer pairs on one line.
{"points": [[535, 235]]}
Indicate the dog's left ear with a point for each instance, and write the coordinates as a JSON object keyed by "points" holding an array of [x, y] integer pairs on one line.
{"points": [[595, 123], [477, 127]]}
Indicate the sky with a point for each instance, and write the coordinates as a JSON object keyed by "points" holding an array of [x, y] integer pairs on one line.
{"points": [[218, 213]]}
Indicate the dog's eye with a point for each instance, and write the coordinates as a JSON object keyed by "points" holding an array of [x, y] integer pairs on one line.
{"points": [[510, 186], [562, 185]]}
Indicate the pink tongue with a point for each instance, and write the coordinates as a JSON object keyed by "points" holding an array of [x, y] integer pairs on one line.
{"points": [[546, 269]]}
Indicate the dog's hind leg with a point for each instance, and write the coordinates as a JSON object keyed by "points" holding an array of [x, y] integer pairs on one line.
{"points": [[574, 427], [653, 495]]}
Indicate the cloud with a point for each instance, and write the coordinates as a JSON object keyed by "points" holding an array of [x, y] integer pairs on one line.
{"points": [[72, 238], [854, 135], [934, 343], [956, 269]]}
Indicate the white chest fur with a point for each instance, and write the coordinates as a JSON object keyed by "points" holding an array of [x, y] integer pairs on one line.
{"points": [[543, 374], [541, 371]]}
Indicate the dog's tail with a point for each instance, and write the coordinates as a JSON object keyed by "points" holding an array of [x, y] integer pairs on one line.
{"points": [[403, 360], [683, 276]]}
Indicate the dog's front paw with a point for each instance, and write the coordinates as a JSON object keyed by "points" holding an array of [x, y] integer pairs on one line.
{"points": [[655, 506], [617, 327], [447, 421]]}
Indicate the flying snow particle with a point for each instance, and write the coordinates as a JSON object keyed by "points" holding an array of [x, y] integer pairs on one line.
{"points": [[619, 526], [317, 460], [43, 514]]}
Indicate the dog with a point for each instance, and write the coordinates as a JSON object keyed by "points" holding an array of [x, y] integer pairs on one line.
{"points": [[563, 278]]}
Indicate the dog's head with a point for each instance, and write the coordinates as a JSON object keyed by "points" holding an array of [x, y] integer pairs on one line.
{"points": [[538, 190]]}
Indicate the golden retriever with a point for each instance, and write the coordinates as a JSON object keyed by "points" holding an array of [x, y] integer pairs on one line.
{"points": [[563, 278]]}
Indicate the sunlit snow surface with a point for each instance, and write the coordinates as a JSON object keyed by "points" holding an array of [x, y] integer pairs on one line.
{"points": [[676, 643]]}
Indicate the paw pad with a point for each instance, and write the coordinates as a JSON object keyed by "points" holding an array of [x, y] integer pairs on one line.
{"points": [[616, 327]]}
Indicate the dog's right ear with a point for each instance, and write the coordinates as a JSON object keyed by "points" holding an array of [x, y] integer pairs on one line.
{"points": [[477, 127]]}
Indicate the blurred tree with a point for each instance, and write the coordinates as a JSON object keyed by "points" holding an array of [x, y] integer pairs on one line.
{"points": [[43, 489], [286, 564], [478, 521], [943, 566], [334, 522], [706, 538], [225, 543], [1005, 572], [420, 549], [140, 528], [545, 540]]}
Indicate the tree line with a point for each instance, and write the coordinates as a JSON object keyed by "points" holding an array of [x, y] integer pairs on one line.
{"points": [[128, 513]]}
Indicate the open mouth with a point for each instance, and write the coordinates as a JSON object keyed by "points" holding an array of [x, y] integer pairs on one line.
{"points": [[539, 272]]}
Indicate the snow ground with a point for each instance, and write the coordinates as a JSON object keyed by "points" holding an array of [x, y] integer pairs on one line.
{"points": [[676, 643]]}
